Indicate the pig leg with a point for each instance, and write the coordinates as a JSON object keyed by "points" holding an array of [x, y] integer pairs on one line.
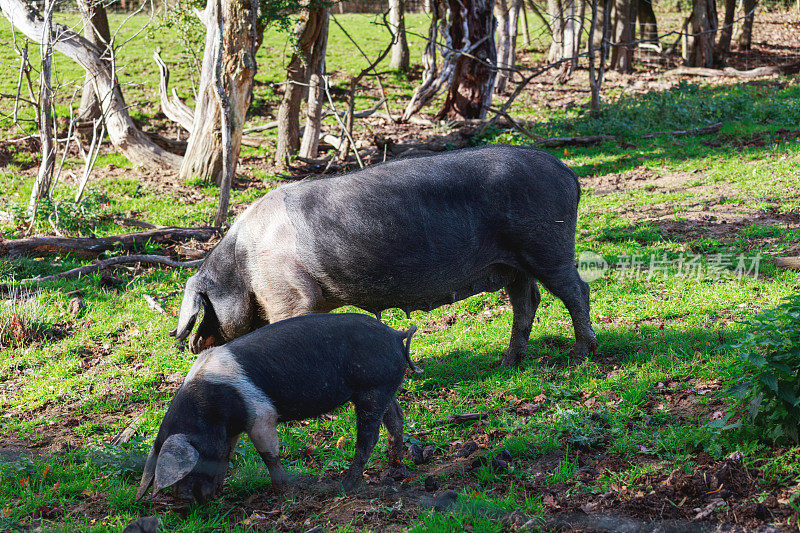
{"points": [[393, 420], [524, 296], [369, 412], [568, 287], [264, 435]]}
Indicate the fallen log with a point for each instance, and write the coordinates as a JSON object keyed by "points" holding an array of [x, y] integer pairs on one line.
{"points": [[87, 247], [792, 263], [119, 260], [730, 72]]}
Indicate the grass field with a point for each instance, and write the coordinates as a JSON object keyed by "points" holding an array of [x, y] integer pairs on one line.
{"points": [[632, 431]]}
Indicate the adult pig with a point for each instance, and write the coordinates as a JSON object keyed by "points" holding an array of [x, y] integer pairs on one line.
{"points": [[414, 233], [291, 370]]}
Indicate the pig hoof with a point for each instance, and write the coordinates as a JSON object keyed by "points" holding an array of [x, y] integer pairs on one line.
{"points": [[580, 353]]}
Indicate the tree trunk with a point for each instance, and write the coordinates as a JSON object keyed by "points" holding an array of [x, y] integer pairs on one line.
{"points": [[125, 136], [433, 78], [501, 13], [648, 25], [601, 14], [44, 178], [625, 26], [704, 26], [241, 37], [723, 47], [316, 92], [397, 22], [97, 32], [472, 84], [746, 37], [306, 33], [525, 28], [555, 10]]}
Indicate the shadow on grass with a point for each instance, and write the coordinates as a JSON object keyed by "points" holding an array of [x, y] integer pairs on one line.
{"points": [[626, 345]]}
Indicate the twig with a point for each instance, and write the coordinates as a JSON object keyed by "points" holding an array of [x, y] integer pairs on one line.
{"points": [[120, 260], [153, 303]]}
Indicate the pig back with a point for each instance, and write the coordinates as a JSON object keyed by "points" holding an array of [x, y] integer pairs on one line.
{"points": [[309, 365], [422, 232]]}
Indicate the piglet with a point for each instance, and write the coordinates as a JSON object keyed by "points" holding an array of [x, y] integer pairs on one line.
{"points": [[293, 369]]}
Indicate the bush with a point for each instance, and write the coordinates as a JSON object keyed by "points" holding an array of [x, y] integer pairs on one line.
{"points": [[770, 382]]}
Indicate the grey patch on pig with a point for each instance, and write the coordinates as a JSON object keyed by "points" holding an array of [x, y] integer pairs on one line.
{"points": [[219, 366]]}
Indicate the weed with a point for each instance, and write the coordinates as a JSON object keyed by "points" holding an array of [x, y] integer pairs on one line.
{"points": [[565, 472], [770, 356]]}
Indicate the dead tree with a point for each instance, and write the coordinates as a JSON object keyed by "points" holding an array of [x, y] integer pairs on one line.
{"points": [[240, 38], [306, 34], [128, 139], [44, 178], [507, 15], [704, 28], [316, 91], [97, 32], [472, 82], [397, 23], [746, 37]]}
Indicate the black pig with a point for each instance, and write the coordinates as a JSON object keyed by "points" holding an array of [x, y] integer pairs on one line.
{"points": [[414, 233], [294, 369]]}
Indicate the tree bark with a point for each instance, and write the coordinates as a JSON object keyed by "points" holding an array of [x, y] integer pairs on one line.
{"points": [[316, 91], [601, 14], [433, 77], [501, 13], [472, 84], [241, 35], [97, 32], [124, 134], [507, 15], [625, 26], [306, 33], [746, 37], [723, 47], [397, 23], [704, 26], [44, 178]]}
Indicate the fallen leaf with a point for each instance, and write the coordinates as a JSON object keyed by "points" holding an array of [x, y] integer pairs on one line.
{"points": [[550, 502]]}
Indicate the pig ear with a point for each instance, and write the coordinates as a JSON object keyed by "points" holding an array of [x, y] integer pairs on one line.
{"points": [[190, 308], [176, 459], [149, 473]]}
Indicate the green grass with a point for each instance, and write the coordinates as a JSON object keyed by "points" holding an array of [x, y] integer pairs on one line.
{"points": [[89, 376]]}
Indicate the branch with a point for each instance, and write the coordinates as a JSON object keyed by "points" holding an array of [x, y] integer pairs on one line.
{"points": [[730, 72], [174, 108], [120, 260], [40, 246]]}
